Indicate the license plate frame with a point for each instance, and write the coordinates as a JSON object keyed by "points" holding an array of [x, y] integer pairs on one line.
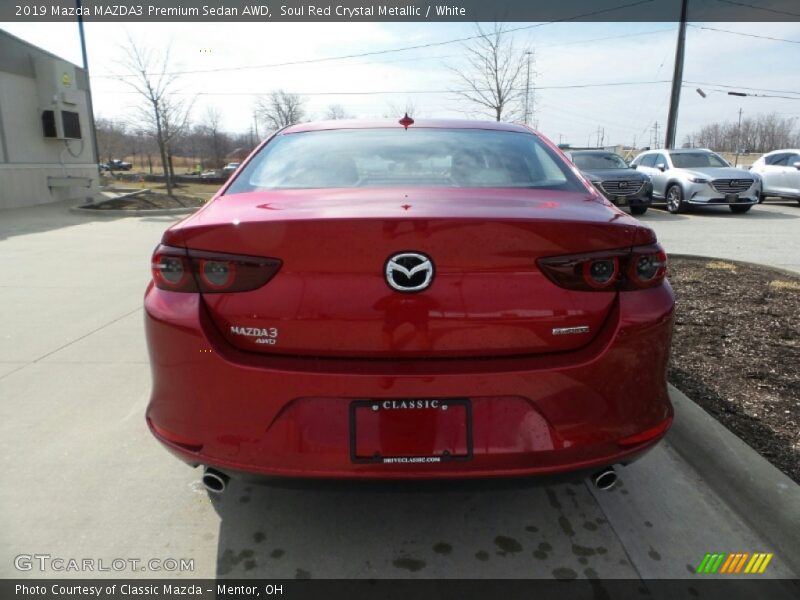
{"points": [[423, 459], [731, 198]]}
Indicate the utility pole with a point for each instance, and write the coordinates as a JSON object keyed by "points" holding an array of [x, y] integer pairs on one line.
{"points": [[527, 88], [89, 105], [655, 135], [677, 80], [738, 140]]}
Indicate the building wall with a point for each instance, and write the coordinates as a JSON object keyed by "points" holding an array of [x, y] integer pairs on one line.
{"points": [[29, 80]]}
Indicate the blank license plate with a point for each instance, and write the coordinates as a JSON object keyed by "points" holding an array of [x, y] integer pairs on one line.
{"points": [[410, 430]]}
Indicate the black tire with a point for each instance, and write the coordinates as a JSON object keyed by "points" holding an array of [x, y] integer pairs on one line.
{"points": [[674, 198], [736, 209], [638, 210]]}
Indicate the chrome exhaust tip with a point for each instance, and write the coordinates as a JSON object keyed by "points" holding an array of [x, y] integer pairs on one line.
{"points": [[214, 481], [605, 479]]}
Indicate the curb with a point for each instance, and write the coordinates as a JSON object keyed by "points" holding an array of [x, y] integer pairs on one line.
{"points": [[760, 494], [787, 272], [114, 212]]}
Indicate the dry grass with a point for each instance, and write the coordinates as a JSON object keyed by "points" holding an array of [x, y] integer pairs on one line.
{"points": [[721, 266], [782, 284]]}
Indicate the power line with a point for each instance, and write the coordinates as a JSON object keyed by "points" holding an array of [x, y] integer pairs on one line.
{"points": [[435, 57], [376, 92], [752, 35], [741, 87], [772, 10], [750, 95], [389, 50]]}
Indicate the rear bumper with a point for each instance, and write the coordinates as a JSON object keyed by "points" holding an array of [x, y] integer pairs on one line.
{"points": [[214, 405]]}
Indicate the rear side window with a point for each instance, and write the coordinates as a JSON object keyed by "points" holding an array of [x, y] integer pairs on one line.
{"points": [[397, 157], [777, 159], [648, 160]]}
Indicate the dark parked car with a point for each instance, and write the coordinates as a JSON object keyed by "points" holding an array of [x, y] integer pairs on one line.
{"points": [[118, 165], [615, 179], [229, 169]]}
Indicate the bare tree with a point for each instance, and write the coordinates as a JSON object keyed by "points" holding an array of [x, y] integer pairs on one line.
{"points": [[396, 111], [146, 72], [761, 133], [279, 109], [497, 74], [217, 141], [175, 120], [335, 112], [113, 139]]}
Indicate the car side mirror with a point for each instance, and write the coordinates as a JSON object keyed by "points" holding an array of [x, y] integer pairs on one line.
{"points": [[634, 166], [661, 167], [796, 165]]}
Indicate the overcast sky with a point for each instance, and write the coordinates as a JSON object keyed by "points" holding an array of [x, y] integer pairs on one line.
{"points": [[567, 54]]}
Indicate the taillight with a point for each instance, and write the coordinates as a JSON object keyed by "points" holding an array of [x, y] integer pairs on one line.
{"points": [[181, 270], [601, 273], [647, 266], [631, 269]]}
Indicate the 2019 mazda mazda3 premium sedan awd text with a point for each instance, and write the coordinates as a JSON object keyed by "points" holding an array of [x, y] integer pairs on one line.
{"points": [[412, 300]]}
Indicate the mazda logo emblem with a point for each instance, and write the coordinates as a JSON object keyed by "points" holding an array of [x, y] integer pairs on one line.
{"points": [[623, 184], [409, 272]]}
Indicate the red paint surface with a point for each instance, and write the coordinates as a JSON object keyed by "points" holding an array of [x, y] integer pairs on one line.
{"points": [[482, 332]]}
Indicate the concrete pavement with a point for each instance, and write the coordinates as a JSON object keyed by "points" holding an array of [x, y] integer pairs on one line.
{"points": [[769, 234], [84, 479]]}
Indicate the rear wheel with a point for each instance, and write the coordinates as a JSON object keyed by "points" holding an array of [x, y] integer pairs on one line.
{"points": [[638, 210], [740, 209], [675, 203]]}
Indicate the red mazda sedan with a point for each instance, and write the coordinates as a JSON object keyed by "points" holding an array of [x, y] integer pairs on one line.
{"points": [[408, 299]]}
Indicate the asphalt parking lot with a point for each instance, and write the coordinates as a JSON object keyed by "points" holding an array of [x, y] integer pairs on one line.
{"points": [[84, 478], [766, 235]]}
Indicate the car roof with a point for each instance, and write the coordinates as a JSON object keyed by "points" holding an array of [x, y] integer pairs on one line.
{"points": [[793, 150], [389, 123], [677, 150], [591, 152], [688, 150]]}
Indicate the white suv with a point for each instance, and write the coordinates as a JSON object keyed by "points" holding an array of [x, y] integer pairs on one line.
{"points": [[780, 174], [693, 176]]}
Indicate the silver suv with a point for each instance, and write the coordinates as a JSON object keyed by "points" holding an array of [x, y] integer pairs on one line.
{"points": [[693, 176]]}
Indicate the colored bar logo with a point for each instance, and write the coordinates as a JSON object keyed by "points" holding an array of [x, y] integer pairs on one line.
{"points": [[735, 563]]}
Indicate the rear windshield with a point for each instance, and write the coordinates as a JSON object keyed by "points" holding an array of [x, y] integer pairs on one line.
{"points": [[688, 160], [348, 158], [599, 161]]}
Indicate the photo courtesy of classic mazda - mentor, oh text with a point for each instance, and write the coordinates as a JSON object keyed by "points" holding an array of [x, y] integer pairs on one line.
{"points": [[401, 299]]}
